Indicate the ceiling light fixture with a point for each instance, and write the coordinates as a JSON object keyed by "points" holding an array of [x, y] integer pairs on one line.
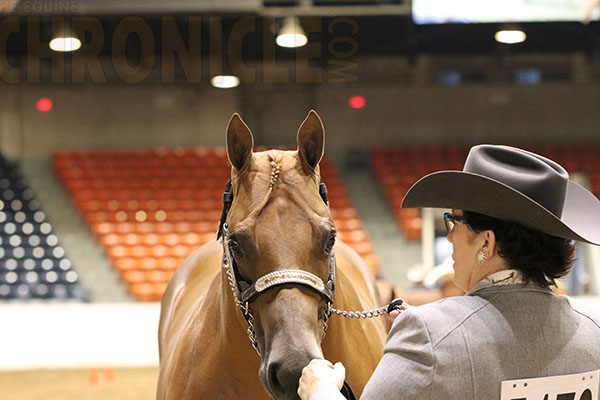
{"points": [[510, 36], [65, 44], [291, 33], [225, 81]]}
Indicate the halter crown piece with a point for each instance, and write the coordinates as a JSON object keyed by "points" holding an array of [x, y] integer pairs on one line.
{"points": [[244, 292]]}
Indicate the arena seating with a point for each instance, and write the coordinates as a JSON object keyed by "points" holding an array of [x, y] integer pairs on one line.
{"points": [[32, 263], [398, 168], [149, 208]]}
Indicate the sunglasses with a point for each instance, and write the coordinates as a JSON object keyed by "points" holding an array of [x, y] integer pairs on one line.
{"points": [[450, 221]]}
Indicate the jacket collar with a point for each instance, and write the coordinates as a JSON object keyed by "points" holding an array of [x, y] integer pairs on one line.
{"points": [[500, 278]]}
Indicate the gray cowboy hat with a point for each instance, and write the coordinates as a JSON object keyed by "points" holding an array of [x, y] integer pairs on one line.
{"points": [[512, 184]]}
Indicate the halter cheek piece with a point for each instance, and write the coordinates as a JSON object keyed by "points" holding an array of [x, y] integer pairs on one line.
{"points": [[245, 293]]}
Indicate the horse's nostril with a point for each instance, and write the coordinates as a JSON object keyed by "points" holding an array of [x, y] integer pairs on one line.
{"points": [[282, 381], [273, 380]]}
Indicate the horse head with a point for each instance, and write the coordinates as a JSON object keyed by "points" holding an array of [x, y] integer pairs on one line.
{"points": [[278, 222]]}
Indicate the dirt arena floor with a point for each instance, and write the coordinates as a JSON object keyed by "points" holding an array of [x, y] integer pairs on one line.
{"points": [[88, 384]]}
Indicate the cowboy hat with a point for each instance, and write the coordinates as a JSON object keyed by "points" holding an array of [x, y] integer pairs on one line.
{"points": [[440, 274], [512, 184]]}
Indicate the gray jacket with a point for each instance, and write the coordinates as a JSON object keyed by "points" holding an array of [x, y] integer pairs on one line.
{"points": [[464, 347]]}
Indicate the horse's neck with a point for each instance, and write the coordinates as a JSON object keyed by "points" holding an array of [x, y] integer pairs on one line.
{"points": [[232, 324], [236, 347], [226, 366], [349, 334]]}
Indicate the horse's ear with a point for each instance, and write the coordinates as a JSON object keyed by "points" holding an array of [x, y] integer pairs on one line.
{"points": [[239, 142], [311, 140]]}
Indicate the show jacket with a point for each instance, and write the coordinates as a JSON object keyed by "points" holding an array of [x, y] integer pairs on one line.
{"points": [[464, 347]]}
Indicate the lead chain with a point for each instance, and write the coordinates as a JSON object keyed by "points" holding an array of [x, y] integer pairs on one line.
{"points": [[326, 312], [361, 314], [245, 308], [326, 315], [251, 333], [231, 284]]}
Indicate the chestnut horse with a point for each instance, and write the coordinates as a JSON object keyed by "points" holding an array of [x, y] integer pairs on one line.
{"points": [[278, 224]]}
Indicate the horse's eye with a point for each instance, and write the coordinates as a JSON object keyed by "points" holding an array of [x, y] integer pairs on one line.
{"points": [[330, 244], [235, 249]]}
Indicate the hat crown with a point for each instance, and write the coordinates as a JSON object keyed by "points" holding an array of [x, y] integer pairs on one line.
{"points": [[540, 179]]}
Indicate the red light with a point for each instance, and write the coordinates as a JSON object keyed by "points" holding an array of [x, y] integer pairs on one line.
{"points": [[44, 104], [357, 102]]}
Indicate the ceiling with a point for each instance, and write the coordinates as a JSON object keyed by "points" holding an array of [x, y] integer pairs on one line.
{"points": [[383, 27]]}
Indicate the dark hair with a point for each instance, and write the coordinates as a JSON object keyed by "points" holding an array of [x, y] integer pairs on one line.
{"points": [[541, 258]]}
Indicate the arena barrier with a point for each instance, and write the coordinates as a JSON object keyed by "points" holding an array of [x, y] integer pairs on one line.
{"points": [[78, 335]]}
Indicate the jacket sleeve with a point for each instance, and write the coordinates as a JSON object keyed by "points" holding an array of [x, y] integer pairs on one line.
{"points": [[327, 391], [406, 369]]}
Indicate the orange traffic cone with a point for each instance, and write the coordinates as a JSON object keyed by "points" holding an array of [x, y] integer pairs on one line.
{"points": [[110, 375], [93, 375]]}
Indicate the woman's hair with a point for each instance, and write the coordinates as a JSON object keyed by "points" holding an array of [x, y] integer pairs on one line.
{"points": [[541, 258]]}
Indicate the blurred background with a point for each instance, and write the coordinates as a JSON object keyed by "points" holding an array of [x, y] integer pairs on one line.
{"points": [[112, 132]]}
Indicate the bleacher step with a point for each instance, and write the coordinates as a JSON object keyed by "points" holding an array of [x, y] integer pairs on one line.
{"points": [[93, 267], [396, 254]]}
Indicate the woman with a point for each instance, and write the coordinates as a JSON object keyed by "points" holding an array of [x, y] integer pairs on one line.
{"points": [[514, 216]]}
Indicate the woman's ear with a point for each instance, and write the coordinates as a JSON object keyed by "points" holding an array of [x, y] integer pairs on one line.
{"points": [[490, 247]]}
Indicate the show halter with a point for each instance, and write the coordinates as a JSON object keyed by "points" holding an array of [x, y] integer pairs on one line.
{"points": [[244, 292]]}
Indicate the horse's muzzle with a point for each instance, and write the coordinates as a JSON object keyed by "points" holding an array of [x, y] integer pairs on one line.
{"points": [[291, 334], [280, 376]]}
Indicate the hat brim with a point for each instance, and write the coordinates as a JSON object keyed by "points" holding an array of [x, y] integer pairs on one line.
{"points": [[580, 219], [440, 274]]}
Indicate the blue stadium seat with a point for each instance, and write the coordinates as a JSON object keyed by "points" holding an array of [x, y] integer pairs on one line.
{"points": [[33, 265], [4, 291]]}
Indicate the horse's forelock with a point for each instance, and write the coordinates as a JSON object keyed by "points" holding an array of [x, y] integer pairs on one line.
{"points": [[279, 170]]}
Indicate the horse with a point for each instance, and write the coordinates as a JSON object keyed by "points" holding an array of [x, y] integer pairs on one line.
{"points": [[269, 284]]}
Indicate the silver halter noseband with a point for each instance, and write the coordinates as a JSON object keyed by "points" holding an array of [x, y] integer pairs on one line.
{"points": [[244, 293]]}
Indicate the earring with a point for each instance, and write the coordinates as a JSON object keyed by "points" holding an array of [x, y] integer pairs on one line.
{"points": [[481, 256]]}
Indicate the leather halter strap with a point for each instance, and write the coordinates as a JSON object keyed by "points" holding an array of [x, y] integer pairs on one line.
{"points": [[245, 292], [290, 276], [228, 199]]}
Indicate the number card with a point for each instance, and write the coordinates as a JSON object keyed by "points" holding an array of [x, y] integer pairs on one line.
{"points": [[582, 386]]}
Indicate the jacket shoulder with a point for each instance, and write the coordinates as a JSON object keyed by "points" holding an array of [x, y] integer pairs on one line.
{"points": [[584, 308], [442, 317]]}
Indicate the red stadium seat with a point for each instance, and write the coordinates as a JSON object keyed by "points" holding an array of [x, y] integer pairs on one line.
{"points": [[348, 224], [133, 276], [169, 263], [353, 236], [372, 262], [362, 248], [150, 208], [143, 291], [125, 264], [397, 168]]}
